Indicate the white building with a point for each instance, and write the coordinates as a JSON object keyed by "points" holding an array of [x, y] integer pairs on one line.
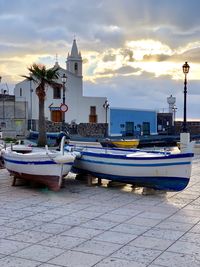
{"points": [[81, 109]]}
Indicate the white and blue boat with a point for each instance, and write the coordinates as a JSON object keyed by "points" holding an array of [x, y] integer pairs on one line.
{"points": [[39, 164], [151, 169]]}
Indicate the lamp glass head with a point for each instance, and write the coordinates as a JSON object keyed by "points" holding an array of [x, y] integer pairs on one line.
{"points": [[186, 68], [64, 78]]}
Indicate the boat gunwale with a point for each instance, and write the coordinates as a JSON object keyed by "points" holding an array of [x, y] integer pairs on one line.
{"points": [[121, 156]]}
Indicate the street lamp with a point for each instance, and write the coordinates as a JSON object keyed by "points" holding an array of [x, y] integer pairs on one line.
{"points": [[64, 80], [106, 107], [186, 69]]}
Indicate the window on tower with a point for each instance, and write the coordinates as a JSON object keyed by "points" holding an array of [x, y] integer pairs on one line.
{"points": [[76, 67]]}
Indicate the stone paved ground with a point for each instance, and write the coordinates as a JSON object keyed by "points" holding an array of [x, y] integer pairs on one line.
{"points": [[83, 226]]}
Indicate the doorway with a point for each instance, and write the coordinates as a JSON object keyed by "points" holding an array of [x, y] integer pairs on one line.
{"points": [[56, 115], [129, 128]]}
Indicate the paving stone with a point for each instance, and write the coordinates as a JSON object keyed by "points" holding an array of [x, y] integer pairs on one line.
{"points": [[97, 247], [47, 217], [191, 237], [6, 231], [114, 217], [143, 221], [61, 241], [164, 234], [17, 262], [99, 224], [29, 236], [195, 229], [82, 232], [171, 259], [23, 224], [183, 218], [76, 259], [151, 242], [49, 265], [51, 228], [153, 215], [115, 237], [71, 220], [174, 226], [8, 247], [130, 229], [142, 255], [113, 262], [186, 248], [38, 252]]}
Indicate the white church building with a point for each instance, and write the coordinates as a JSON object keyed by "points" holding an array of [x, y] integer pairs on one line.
{"points": [[81, 109]]}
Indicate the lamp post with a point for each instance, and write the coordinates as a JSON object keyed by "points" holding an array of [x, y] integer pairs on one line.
{"points": [[64, 80], [106, 107], [186, 69]]}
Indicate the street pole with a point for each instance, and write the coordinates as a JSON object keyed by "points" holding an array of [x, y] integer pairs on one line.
{"points": [[185, 103], [186, 69], [185, 135], [106, 107], [64, 80], [31, 105]]}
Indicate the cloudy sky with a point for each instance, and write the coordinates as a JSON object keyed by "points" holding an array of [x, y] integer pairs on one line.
{"points": [[133, 50]]}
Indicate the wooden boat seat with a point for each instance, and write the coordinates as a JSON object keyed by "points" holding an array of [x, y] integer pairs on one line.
{"points": [[22, 149]]}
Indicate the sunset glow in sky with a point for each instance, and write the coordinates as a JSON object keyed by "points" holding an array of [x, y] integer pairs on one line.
{"points": [[133, 50]]}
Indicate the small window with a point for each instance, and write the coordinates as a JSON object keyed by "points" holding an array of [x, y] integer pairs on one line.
{"points": [[20, 91], [92, 110], [76, 67], [56, 92]]}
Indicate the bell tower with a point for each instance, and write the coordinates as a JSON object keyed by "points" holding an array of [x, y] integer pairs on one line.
{"points": [[74, 60]]}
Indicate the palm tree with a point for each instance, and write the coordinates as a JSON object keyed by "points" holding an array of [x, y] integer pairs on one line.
{"points": [[42, 77]]}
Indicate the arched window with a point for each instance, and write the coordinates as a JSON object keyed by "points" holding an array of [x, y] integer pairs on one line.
{"points": [[20, 91], [76, 67]]}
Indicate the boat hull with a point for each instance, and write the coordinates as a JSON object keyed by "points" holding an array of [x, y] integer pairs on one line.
{"points": [[52, 182], [37, 167], [170, 173]]}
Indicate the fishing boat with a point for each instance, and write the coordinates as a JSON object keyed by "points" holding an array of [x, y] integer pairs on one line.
{"points": [[151, 169], [123, 143], [53, 138], [39, 164]]}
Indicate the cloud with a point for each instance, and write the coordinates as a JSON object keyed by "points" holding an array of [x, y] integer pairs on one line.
{"points": [[157, 58], [132, 50]]}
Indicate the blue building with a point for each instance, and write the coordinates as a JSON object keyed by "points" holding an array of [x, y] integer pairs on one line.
{"points": [[132, 122]]}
